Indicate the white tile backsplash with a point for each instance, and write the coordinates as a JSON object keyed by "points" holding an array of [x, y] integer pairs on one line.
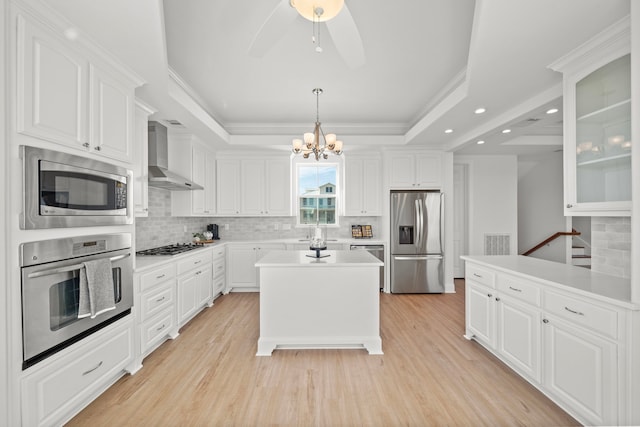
{"points": [[160, 228], [611, 246]]}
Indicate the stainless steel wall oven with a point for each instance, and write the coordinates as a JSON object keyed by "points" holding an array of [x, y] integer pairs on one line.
{"points": [[63, 190], [51, 287]]}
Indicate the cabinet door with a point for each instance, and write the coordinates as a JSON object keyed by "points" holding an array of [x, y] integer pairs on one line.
{"points": [[241, 262], [252, 185], [187, 296], [428, 170], [205, 286], [354, 187], [140, 162], [210, 184], [371, 187], [278, 187], [52, 88], [480, 316], [402, 171], [198, 175], [519, 338], [228, 186], [111, 116], [580, 370]]}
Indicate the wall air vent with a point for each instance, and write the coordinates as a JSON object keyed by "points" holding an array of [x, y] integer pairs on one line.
{"points": [[174, 123], [497, 244]]}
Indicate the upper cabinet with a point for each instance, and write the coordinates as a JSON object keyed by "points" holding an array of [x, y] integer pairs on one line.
{"points": [[66, 97], [419, 171], [363, 186], [597, 125], [254, 186], [192, 159]]}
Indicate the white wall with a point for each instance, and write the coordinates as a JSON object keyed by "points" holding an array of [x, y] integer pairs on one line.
{"points": [[492, 190], [540, 199], [4, 319]]}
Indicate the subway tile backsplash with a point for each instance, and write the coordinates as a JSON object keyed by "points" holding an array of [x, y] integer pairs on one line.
{"points": [[160, 228], [611, 246]]}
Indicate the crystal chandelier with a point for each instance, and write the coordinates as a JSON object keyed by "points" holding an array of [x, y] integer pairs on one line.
{"points": [[312, 140]]}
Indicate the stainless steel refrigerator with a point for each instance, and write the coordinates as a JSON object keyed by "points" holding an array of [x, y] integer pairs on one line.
{"points": [[417, 264]]}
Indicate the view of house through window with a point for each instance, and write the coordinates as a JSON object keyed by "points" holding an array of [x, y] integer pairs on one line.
{"points": [[317, 194]]}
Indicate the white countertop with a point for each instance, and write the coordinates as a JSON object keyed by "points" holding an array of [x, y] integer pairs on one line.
{"points": [[145, 262], [579, 279], [280, 258]]}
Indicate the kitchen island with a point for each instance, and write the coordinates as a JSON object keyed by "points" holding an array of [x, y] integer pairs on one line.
{"points": [[329, 302]]}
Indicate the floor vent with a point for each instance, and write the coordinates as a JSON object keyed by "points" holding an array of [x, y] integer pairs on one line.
{"points": [[497, 244]]}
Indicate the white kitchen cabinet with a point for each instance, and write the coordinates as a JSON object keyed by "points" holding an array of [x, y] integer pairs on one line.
{"points": [[597, 125], [228, 186], [580, 370], [65, 97], [192, 159], [56, 389], [579, 349], [194, 285], [415, 170], [363, 186], [141, 160], [156, 307], [241, 260], [219, 269]]}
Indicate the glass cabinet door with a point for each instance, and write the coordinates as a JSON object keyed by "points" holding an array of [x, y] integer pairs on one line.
{"points": [[603, 134]]}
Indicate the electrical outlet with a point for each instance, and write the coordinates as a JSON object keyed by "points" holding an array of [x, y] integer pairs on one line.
{"points": [[286, 226], [226, 226]]}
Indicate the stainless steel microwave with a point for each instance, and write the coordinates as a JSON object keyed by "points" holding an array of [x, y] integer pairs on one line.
{"points": [[63, 190]]}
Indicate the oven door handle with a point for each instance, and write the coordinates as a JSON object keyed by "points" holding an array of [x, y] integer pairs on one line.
{"points": [[69, 268]]}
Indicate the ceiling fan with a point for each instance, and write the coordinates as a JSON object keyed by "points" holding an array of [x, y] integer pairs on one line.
{"points": [[334, 13]]}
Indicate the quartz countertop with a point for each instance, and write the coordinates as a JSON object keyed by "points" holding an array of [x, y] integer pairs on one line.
{"points": [[581, 280], [280, 258]]}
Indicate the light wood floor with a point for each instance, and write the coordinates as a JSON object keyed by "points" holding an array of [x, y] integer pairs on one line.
{"points": [[429, 375]]}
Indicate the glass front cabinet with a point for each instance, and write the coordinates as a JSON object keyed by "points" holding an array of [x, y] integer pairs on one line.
{"points": [[597, 124]]}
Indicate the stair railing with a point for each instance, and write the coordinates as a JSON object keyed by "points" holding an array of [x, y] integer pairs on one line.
{"points": [[550, 239]]}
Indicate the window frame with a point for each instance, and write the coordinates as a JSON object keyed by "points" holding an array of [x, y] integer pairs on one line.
{"points": [[335, 195]]}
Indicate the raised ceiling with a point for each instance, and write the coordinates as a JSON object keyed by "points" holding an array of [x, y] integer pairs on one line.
{"points": [[428, 65]]}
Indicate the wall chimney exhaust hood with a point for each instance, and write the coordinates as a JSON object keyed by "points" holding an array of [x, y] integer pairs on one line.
{"points": [[159, 173]]}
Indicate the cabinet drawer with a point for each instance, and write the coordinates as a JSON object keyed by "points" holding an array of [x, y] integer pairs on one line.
{"points": [[480, 275], [194, 262], [156, 300], [519, 288], [51, 392], [219, 253], [156, 328], [157, 276], [599, 319], [218, 268], [218, 285]]}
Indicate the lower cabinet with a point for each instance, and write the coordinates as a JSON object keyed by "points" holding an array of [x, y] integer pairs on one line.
{"points": [[569, 346], [194, 286], [219, 269], [57, 389], [241, 260]]}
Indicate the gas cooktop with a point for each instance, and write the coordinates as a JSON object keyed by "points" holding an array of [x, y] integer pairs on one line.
{"points": [[169, 249]]}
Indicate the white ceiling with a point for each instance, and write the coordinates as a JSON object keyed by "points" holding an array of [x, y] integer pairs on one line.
{"points": [[428, 65]]}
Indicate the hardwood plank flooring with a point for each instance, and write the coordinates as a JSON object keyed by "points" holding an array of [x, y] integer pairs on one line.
{"points": [[429, 375]]}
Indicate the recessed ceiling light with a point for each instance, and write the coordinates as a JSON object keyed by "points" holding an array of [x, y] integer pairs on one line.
{"points": [[506, 131], [480, 110], [552, 111], [71, 33], [448, 131], [480, 142]]}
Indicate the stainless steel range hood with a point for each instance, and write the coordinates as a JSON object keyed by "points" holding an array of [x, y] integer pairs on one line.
{"points": [[159, 173]]}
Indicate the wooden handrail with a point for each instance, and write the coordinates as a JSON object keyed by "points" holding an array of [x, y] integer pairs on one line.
{"points": [[573, 232]]}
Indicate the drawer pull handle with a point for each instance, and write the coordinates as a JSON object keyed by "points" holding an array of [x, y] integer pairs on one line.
{"points": [[93, 369], [579, 313], [161, 327], [160, 299], [197, 262], [160, 276], [477, 275], [497, 298], [489, 295], [515, 289], [545, 320]]}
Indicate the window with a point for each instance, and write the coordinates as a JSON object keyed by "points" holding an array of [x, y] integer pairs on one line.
{"points": [[317, 194]]}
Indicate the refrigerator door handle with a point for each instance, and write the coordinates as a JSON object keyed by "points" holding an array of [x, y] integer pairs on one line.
{"points": [[441, 220]]}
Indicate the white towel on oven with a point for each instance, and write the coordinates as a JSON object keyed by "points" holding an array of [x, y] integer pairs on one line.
{"points": [[96, 288]]}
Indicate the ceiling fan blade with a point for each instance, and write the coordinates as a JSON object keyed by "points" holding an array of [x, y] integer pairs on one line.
{"points": [[346, 38], [273, 29]]}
